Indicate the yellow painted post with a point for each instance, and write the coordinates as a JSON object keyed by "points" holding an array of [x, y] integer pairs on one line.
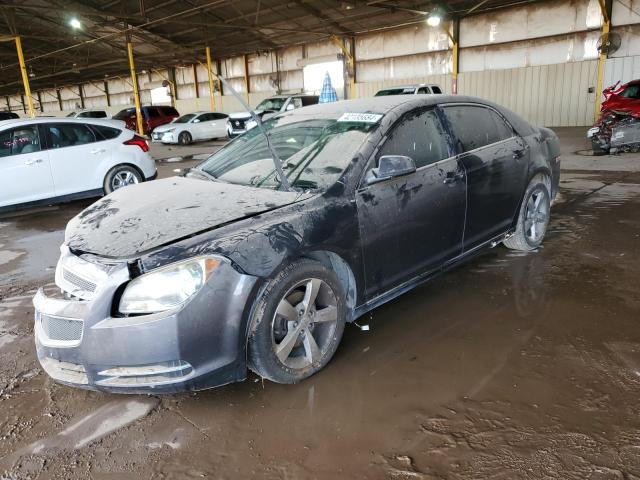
{"points": [[454, 74], [136, 94], [212, 97], [601, 63], [351, 65], [25, 77]]}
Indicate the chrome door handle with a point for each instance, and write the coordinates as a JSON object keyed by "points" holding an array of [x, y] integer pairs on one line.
{"points": [[97, 150], [34, 161]]}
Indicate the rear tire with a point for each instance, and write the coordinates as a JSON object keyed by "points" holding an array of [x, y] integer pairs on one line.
{"points": [[121, 176], [533, 217], [184, 138], [297, 322]]}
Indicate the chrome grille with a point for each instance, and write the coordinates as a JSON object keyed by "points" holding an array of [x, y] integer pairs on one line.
{"points": [[61, 329], [79, 282]]}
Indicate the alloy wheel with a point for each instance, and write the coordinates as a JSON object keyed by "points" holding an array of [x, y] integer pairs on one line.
{"points": [[124, 178], [304, 324], [536, 216]]}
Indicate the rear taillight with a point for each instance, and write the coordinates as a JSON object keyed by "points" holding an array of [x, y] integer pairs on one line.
{"points": [[139, 141]]}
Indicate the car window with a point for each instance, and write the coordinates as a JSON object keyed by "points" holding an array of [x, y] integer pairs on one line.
{"points": [[436, 89], [124, 114], [419, 135], [632, 91], [170, 111], [94, 114], [218, 116], [105, 133], [152, 112], [296, 102], [63, 135], [309, 101], [503, 129], [207, 117], [423, 90], [473, 126], [19, 140]]}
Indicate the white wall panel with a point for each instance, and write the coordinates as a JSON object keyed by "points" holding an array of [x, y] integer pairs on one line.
{"points": [[398, 68], [321, 49], [625, 12], [545, 51], [407, 41], [549, 95], [622, 69], [539, 19]]}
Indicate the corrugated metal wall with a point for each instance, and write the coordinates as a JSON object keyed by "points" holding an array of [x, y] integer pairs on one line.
{"points": [[551, 95]]}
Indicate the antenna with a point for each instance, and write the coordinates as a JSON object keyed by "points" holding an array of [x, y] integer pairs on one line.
{"points": [[284, 181]]}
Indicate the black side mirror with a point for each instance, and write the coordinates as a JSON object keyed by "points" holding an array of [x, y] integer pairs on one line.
{"points": [[391, 166]]}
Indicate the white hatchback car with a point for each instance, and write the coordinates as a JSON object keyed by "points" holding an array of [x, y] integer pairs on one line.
{"points": [[50, 160], [192, 127]]}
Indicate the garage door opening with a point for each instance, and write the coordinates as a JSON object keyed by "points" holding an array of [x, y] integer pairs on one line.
{"points": [[314, 76]]}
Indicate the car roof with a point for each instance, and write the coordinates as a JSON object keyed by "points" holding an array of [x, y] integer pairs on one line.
{"points": [[415, 85], [26, 121], [395, 105]]}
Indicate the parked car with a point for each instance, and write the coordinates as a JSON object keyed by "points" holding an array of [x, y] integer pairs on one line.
{"points": [[240, 122], [8, 115], [183, 283], [89, 114], [50, 160], [152, 117], [618, 126], [192, 127], [420, 89]]}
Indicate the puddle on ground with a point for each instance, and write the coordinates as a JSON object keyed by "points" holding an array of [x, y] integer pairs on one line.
{"points": [[99, 423]]}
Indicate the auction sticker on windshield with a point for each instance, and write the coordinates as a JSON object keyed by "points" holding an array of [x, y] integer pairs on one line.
{"points": [[361, 117]]}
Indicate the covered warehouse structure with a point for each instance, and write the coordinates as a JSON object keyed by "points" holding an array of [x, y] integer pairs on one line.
{"points": [[404, 286], [539, 58]]}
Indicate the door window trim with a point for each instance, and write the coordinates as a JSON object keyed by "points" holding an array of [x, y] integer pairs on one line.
{"points": [[442, 106], [361, 185]]}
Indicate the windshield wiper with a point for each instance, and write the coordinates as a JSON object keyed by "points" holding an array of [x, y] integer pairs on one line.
{"points": [[201, 173], [284, 181]]}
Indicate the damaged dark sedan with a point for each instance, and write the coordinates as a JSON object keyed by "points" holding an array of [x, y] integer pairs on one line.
{"points": [[251, 263]]}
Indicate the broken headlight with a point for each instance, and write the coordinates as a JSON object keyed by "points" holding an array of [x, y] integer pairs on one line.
{"points": [[167, 287]]}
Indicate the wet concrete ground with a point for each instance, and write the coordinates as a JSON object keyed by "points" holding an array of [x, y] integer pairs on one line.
{"points": [[512, 366]]}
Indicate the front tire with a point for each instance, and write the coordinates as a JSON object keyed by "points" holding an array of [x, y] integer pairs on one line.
{"points": [[121, 176], [533, 217], [184, 138], [297, 322]]}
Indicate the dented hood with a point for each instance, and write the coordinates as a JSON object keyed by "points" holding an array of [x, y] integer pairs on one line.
{"points": [[141, 217]]}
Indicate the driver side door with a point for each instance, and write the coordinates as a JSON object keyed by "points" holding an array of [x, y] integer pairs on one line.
{"points": [[414, 223]]}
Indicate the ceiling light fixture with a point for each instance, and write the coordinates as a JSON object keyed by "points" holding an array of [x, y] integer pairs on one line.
{"points": [[433, 20], [75, 23]]}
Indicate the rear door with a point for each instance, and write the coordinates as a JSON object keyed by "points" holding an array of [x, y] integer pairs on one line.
{"points": [[218, 125], [414, 223], [77, 157], [25, 174], [495, 160]]}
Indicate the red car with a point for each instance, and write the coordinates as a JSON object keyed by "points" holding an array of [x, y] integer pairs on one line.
{"points": [[625, 98], [152, 117], [620, 109]]}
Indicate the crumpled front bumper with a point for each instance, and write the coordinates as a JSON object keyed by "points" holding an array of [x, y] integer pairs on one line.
{"points": [[84, 343]]}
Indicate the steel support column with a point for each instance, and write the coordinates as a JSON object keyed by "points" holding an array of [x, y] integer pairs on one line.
{"points": [[25, 77], [59, 99], [106, 92], [81, 96], [212, 96], [246, 77], [136, 93], [351, 65], [40, 102], [195, 80], [605, 9]]}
